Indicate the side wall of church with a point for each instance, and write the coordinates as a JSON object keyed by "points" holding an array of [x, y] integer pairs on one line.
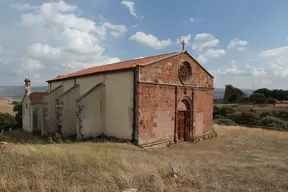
{"points": [[49, 111], [27, 115], [89, 121], [66, 111], [117, 100]]}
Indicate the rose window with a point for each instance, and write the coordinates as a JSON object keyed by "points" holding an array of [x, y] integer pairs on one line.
{"points": [[185, 72]]}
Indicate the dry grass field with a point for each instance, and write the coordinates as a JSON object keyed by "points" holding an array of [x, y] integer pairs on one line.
{"points": [[6, 107], [239, 159]]}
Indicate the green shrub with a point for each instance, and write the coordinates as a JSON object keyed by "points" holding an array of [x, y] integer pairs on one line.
{"points": [[245, 118], [270, 100], [7, 120], [273, 122], [18, 109], [224, 121], [3, 138], [218, 117], [223, 111], [234, 116], [266, 114], [257, 98]]}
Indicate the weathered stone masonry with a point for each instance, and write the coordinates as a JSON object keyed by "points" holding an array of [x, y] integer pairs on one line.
{"points": [[161, 93], [59, 111]]}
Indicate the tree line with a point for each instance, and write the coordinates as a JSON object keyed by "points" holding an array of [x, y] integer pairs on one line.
{"points": [[259, 96]]}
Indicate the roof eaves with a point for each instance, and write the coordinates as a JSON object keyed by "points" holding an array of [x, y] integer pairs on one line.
{"points": [[198, 64], [73, 77], [161, 59]]}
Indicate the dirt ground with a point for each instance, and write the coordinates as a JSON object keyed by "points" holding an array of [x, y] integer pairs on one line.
{"points": [[239, 159], [6, 107]]}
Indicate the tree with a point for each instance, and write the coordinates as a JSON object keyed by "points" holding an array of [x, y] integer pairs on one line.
{"points": [[7, 120], [233, 94], [257, 98], [18, 109], [266, 92], [270, 100]]}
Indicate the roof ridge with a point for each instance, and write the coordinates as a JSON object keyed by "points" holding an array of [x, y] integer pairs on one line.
{"points": [[132, 60], [121, 65]]}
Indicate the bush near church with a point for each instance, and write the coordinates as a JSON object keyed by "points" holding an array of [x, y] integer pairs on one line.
{"points": [[257, 98], [7, 121], [228, 116], [18, 109]]}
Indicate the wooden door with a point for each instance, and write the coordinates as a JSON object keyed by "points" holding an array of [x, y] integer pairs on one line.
{"points": [[181, 125]]}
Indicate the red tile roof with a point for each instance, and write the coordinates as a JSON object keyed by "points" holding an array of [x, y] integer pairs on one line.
{"points": [[113, 67], [36, 96]]}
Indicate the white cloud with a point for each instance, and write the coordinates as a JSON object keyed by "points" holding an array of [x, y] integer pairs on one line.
{"points": [[192, 20], [209, 54], [80, 42], [274, 52], [233, 70], [134, 26], [117, 30], [256, 71], [151, 41], [185, 38], [38, 50], [238, 44], [204, 40], [21, 6], [58, 40], [31, 64], [131, 6]]}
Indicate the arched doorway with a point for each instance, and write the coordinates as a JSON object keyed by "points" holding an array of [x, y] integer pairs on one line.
{"points": [[183, 120]]}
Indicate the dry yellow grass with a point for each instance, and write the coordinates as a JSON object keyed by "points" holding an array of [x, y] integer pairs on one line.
{"points": [[6, 107], [239, 159]]}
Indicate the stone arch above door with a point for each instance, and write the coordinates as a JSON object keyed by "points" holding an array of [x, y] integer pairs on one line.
{"points": [[184, 104]]}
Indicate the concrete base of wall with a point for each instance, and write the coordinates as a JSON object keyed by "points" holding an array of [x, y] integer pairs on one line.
{"points": [[204, 137], [160, 143], [167, 142]]}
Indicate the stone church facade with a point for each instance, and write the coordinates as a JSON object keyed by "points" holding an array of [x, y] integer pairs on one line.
{"points": [[153, 100]]}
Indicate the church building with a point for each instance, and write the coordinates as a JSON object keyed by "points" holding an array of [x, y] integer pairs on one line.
{"points": [[153, 100]]}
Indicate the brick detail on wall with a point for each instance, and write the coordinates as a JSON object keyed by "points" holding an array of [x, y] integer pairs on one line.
{"points": [[160, 93], [45, 110], [203, 111], [59, 111], [156, 112], [166, 71], [79, 113]]}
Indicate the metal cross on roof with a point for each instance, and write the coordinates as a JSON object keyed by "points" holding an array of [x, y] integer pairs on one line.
{"points": [[183, 45]]}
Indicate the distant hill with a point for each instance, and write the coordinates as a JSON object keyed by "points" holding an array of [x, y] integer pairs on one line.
{"points": [[17, 92]]}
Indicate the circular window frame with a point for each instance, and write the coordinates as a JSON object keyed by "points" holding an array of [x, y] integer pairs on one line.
{"points": [[188, 78]]}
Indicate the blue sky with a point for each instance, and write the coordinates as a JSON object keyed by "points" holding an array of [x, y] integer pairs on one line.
{"points": [[244, 43]]}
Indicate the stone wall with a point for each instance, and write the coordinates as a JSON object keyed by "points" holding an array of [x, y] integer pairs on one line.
{"points": [[66, 111], [156, 113], [166, 71], [203, 111], [49, 111], [90, 113], [160, 92]]}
